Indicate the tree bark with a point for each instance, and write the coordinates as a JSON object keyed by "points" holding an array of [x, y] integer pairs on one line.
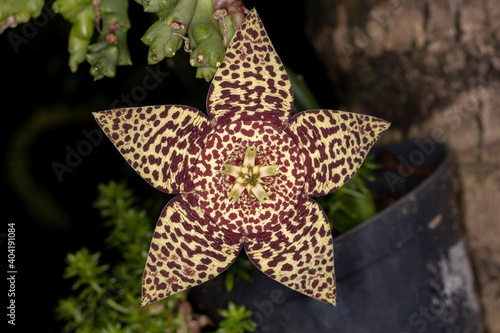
{"points": [[432, 68], [402, 59]]}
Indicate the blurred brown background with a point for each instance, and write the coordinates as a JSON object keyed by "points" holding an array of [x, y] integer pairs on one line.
{"points": [[432, 69]]}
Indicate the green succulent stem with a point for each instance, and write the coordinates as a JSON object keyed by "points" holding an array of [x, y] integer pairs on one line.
{"points": [[115, 21], [82, 15], [155, 6], [204, 27], [13, 12], [182, 13], [161, 41], [111, 49], [207, 23], [110, 19], [165, 36], [204, 35], [79, 37]]}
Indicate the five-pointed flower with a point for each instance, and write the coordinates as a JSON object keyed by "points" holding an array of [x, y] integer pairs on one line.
{"points": [[245, 176]]}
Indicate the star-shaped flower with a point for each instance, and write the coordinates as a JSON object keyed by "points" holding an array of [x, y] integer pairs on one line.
{"points": [[245, 176]]}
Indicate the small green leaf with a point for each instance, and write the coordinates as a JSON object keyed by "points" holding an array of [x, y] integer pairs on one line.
{"points": [[236, 319]]}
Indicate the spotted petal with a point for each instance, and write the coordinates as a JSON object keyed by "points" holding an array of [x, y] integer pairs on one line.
{"points": [[187, 249], [333, 145], [298, 252], [251, 83], [228, 145], [161, 143]]}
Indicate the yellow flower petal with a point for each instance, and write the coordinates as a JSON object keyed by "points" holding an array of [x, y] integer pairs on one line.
{"points": [[302, 249], [255, 170], [333, 145], [259, 192], [231, 170], [136, 133], [236, 191], [240, 180], [268, 170], [250, 154]]}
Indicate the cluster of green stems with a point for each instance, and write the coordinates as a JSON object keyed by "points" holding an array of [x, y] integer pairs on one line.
{"points": [[98, 33], [203, 27]]}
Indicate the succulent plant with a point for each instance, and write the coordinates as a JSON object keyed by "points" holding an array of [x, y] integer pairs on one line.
{"points": [[13, 12], [202, 27], [209, 25], [110, 19]]}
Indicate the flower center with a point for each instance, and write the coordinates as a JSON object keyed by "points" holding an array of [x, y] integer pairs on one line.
{"points": [[249, 176]]}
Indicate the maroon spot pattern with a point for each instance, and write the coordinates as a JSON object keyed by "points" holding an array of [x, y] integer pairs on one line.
{"points": [[177, 149], [227, 146], [187, 249], [251, 83], [333, 144], [161, 143], [298, 252]]}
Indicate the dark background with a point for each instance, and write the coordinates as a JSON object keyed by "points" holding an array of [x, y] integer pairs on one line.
{"points": [[45, 110]]}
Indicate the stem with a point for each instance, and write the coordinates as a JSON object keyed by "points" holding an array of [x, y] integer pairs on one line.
{"points": [[206, 41], [109, 301], [97, 288], [182, 13], [235, 8], [116, 306]]}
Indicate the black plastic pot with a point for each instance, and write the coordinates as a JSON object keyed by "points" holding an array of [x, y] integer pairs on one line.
{"points": [[404, 270]]}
